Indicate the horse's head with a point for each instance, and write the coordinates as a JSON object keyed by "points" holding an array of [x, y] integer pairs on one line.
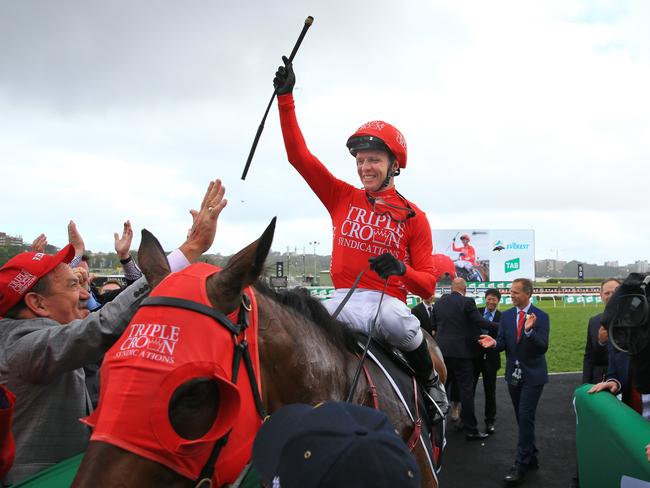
{"points": [[224, 288], [167, 392]]}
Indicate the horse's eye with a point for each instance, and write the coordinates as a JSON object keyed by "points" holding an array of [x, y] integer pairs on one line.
{"points": [[193, 407]]}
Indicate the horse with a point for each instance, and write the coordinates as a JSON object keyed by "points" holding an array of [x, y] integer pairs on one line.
{"points": [[305, 356], [477, 273]]}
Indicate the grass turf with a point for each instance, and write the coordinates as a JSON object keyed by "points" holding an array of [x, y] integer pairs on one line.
{"points": [[568, 334]]}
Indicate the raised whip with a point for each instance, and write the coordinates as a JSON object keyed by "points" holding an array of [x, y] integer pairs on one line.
{"points": [[308, 21]]}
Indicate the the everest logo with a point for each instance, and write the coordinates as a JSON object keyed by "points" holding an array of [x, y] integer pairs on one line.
{"points": [[497, 246], [512, 265]]}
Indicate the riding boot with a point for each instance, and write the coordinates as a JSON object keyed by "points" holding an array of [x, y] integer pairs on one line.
{"points": [[435, 397]]}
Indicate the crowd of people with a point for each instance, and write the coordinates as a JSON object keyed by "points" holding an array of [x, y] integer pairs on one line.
{"points": [[56, 325], [48, 336]]}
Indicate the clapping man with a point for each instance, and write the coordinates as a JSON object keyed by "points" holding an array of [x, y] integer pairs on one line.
{"points": [[523, 335]]}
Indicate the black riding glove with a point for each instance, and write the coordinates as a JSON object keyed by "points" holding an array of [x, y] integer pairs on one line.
{"points": [[284, 77], [387, 265]]}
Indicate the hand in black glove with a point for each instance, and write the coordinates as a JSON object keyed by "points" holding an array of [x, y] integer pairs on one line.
{"points": [[284, 77], [386, 265]]}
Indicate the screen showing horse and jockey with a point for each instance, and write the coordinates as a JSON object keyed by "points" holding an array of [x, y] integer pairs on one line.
{"points": [[488, 255]]}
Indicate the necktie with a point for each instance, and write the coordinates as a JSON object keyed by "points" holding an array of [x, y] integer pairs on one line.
{"points": [[520, 323], [486, 314]]}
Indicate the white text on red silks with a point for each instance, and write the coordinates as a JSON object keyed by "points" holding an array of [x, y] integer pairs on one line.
{"points": [[370, 232], [151, 341]]}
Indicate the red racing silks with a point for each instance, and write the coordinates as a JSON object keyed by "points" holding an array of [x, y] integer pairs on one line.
{"points": [[162, 348]]}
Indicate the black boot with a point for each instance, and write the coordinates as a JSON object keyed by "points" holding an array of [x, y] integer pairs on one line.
{"points": [[435, 397]]}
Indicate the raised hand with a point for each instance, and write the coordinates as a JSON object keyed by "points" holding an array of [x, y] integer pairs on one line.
{"points": [[284, 79], [39, 244], [530, 321], [82, 276], [123, 244], [204, 226], [74, 238]]}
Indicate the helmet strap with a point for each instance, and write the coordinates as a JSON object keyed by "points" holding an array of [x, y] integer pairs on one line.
{"points": [[386, 181], [392, 172]]}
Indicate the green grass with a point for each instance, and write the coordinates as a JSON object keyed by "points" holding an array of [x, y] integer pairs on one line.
{"points": [[568, 335]]}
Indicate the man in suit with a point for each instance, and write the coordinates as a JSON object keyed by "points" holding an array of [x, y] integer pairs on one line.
{"points": [[523, 334], [458, 324], [594, 364], [424, 312], [488, 362]]}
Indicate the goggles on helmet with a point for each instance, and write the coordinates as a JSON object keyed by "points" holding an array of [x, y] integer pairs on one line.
{"points": [[366, 143]]}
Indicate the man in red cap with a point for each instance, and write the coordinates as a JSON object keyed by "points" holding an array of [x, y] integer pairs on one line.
{"points": [[47, 335], [372, 226]]}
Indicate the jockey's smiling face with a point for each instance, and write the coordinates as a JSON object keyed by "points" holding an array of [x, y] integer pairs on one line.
{"points": [[372, 168]]}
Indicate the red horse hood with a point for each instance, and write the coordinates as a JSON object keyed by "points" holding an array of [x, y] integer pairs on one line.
{"points": [[162, 348]]}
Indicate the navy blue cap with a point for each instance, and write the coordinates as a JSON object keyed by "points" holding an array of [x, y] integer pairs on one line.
{"points": [[334, 444]]}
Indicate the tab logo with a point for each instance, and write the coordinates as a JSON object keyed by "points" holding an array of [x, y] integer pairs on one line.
{"points": [[512, 265]]}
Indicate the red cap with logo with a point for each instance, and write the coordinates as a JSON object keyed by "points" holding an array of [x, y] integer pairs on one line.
{"points": [[21, 272]]}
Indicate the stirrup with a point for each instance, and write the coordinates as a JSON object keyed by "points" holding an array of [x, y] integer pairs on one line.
{"points": [[435, 399]]}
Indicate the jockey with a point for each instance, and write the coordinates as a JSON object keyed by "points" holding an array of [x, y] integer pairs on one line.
{"points": [[467, 257], [373, 224]]}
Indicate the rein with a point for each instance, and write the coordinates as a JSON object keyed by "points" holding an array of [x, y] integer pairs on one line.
{"points": [[241, 352], [357, 373]]}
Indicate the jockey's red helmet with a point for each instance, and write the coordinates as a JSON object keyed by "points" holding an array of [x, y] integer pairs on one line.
{"points": [[378, 134], [464, 237]]}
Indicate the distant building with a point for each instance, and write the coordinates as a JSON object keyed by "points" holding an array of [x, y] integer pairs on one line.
{"points": [[611, 264], [641, 266], [546, 267], [7, 240]]}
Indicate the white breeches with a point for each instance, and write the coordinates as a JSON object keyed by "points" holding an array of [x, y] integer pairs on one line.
{"points": [[395, 324], [463, 264]]}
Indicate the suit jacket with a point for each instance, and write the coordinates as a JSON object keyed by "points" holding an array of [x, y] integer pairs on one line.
{"points": [[530, 350], [618, 369], [458, 324], [492, 357], [426, 322], [594, 364]]}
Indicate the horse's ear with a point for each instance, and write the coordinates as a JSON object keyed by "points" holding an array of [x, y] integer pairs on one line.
{"points": [[152, 259], [224, 288]]}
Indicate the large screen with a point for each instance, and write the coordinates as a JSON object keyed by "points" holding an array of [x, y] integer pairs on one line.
{"points": [[488, 255]]}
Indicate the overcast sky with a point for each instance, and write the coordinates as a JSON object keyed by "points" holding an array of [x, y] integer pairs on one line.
{"points": [[517, 114]]}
